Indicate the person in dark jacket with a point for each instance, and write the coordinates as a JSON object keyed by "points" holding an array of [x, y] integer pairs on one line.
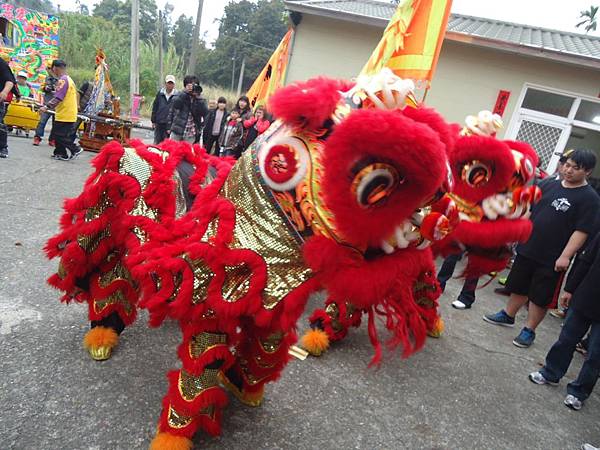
{"points": [[188, 112], [582, 294], [7, 85], [231, 138], [243, 108], [161, 107], [213, 126]]}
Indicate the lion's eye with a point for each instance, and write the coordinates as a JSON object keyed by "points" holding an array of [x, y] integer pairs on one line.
{"points": [[374, 183], [476, 174]]}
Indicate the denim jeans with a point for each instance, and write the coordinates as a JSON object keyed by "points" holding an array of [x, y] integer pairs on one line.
{"points": [[39, 131], [467, 294], [560, 355]]}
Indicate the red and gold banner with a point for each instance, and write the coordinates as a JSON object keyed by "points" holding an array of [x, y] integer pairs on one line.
{"points": [[411, 43], [272, 76]]}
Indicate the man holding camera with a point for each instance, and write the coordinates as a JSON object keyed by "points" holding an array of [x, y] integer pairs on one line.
{"points": [[188, 112]]}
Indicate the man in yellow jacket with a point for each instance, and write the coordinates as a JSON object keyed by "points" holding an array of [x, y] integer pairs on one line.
{"points": [[64, 104]]}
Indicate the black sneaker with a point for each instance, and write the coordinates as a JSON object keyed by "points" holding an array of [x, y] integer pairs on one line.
{"points": [[500, 318], [4, 153], [60, 157], [77, 153]]}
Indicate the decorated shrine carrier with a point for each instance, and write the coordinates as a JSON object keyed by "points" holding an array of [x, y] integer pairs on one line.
{"points": [[29, 42]]}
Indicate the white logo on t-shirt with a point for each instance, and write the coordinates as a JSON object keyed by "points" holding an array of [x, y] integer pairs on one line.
{"points": [[561, 204]]}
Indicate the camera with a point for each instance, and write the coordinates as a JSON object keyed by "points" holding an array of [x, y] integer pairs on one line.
{"points": [[196, 89]]}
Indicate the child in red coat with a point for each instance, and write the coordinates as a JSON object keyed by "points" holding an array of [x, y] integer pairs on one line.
{"points": [[255, 126]]}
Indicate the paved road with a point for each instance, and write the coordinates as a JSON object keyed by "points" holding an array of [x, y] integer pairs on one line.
{"points": [[468, 390]]}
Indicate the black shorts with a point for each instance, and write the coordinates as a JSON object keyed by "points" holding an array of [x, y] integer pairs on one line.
{"points": [[540, 284]]}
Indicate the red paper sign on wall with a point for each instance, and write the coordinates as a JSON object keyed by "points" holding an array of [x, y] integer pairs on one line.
{"points": [[501, 102]]}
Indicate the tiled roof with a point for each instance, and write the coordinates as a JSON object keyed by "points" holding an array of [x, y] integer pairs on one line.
{"points": [[573, 44]]}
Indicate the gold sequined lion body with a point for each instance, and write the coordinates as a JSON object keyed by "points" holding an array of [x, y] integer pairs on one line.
{"points": [[232, 252]]}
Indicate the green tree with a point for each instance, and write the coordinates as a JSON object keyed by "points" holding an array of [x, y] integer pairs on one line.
{"points": [[80, 36], [590, 19], [181, 36], [173, 64], [45, 6], [119, 12], [247, 30]]}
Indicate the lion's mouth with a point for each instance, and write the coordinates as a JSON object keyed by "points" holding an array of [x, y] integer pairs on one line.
{"points": [[405, 235], [502, 206]]}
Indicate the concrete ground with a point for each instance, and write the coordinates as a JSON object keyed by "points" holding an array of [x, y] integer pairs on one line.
{"points": [[467, 390]]}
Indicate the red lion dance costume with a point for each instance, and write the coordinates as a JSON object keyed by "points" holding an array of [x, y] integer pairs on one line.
{"points": [[487, 210], [233, 252]]}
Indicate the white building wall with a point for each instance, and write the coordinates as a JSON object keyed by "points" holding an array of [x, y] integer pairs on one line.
{"points": [[468, 77]]}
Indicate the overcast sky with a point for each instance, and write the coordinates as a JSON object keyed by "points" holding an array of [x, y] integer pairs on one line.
{"points": [[557, 14]]}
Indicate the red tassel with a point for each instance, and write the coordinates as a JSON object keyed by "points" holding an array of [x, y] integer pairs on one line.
{"points": [[376, 360]]}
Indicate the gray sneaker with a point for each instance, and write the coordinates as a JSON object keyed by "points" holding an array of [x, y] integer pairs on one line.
{"points": [[538, 378], [3, 153], [573, 402]]}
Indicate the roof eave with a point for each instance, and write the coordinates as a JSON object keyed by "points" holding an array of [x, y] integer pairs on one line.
{"points": [[346, 16], [524, 49]]}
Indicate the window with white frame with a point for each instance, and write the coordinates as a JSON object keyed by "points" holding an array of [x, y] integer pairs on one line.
{"points": [[552, 120]]}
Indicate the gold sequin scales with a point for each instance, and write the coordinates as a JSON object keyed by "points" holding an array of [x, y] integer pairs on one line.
{"points": [[135, 166], [261, 227]]}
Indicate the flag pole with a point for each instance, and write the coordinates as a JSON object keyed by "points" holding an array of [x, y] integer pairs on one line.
{"points": [[425, 95]]}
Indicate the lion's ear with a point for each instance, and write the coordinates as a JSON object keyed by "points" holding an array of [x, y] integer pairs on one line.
{"points": [[309, 104], [527, 150], [448, 133]]}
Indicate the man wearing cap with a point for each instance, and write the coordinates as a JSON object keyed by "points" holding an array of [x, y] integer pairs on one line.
{"points": [[161, 107], [64, 103], [25, 89]]}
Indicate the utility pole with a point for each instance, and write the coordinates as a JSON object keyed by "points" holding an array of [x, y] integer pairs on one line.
{"points": [[134, 74], [195, 39], [241, 80], [161, 68], [233, 71]]}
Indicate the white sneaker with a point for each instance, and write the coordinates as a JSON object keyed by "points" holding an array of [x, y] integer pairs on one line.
{"points": [[538, 378], [588, 447], [459, 305], [573, 402]]}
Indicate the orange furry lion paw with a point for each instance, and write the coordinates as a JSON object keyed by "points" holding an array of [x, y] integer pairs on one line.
{"points": [[168, 441], [315, 342], [437, 329], [100, 341]]}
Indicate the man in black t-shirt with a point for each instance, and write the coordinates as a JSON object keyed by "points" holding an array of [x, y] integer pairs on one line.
{"points": [[562, 221], [7, 84]]}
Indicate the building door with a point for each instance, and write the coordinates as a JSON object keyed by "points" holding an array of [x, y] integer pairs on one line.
{"points": [[547, 137], [552, 121]]}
